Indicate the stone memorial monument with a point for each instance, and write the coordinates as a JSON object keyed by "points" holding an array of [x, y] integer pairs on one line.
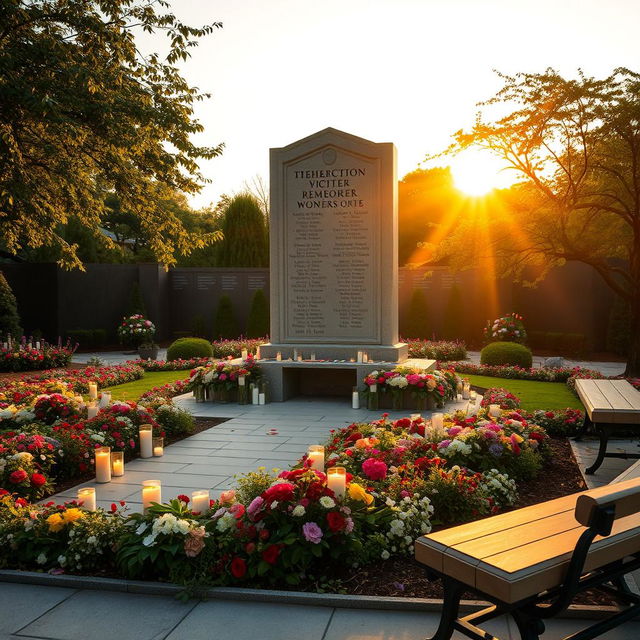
{"points": [[334, 250]]}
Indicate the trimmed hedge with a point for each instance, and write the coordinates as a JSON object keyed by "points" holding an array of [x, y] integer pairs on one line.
{"points": [[88, 338], [187, 348], [569, 345], [496, 353]]}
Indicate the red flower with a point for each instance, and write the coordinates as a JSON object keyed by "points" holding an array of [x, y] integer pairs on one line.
{"points": [[374, 469], [183, 498], [271, 553], [18, 476], [238, 567], [336, 521], [114, 507], [37, 480], [21, 502], [279, 492]]}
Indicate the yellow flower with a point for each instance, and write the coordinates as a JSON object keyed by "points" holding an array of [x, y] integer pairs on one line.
{"points": [[518, 438], [71, 515], [356, 492], [55, 522]]}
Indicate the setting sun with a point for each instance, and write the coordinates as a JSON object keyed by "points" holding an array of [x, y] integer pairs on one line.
{"points": [[477, 172]]}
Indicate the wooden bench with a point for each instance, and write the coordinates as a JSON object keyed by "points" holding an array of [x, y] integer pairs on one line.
{"points": [[608, 404], [530, 563]]}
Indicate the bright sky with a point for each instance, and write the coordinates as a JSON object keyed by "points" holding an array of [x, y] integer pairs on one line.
{"points": [[403, 71]]}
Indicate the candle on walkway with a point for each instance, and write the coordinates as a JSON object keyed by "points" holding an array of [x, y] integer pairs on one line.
{"points": [[200, 501], [337, 480], [87, 495], [103, 464], [466, 387], [158, 447], [151, 492], [117, 463], [146, 440], [355, 398], [315, 454]]}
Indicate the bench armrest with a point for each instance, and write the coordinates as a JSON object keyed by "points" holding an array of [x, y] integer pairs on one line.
{"points": [[623, 497]]}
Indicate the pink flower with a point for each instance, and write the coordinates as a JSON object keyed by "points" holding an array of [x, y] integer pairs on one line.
{"points": [[374, 469], [255, 506], [312, 532]]}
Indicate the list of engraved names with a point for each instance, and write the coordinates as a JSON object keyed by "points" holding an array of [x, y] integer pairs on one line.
{"points": [[332, 216]]}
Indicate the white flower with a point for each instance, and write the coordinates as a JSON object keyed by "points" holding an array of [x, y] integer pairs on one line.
{"points": [[62, 560], [327, 502], [298, 511], [92, 540], [226, 522], [385, 555], [41, 559], [149, 540]]}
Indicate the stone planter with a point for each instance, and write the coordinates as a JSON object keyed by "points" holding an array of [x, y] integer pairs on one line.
{"points": [[148, 353]]}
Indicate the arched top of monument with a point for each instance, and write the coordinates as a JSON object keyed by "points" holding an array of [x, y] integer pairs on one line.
{"points": [[331, 136]]}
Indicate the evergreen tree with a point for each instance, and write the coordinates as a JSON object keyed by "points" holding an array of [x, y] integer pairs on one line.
{"points": [[136, 302], [258, 320], [9, 318], [245, 242], [619, 328], [454, 315], [417, 323], [225, 325]]}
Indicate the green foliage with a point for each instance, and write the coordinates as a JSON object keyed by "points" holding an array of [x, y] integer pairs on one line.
{"points": [[88, 338], [245, 242], [186, 348], [454, 315], [250, 485], [225, 325], [199, 326], [619, 327], [417, 323], [84, 113], [136, 301], [9, 318], [258, 320], [512, 353], [175, 421], [569, 345]]}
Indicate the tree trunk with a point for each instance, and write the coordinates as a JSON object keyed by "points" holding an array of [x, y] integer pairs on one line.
{"points": [[633, 356]]}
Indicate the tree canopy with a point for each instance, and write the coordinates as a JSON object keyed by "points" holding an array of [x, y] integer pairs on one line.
{"points": [[84, 113], [576, 144]]}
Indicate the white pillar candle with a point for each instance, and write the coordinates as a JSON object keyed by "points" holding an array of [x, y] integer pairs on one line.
{"points": [[359, 356], [258, 354], [472, 395], [245, 353], [87, 495], [158, 447], [200, 501], [151, 492], [103, 464], [459, 397], [38, 345], [242, 380], [105, 399], [279, 356], [295, 354], [337, 480], [365, 356], [478, 401], [465, 390], [355, 399], [146, 441], [92, 410], [299, 358], [373, 388], [262, 398], [437, 421], [117, 463], [494, 410], [93, 391], [313, 355], [255, 394], [315, 454]]}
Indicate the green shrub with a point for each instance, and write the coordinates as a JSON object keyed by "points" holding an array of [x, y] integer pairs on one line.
{"points": [[454, 315], [417, 323], [186, 348], [511, 353], [175, 421], [225, 325], [9, 318], [619, 327], [258, 320]]}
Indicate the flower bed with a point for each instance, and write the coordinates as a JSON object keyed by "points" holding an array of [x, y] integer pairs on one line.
{"points": [[443, 350], [223, 349], [402, 477], [221, 380], [79, 379], [23, 357], [502, 397], [171, 365]]}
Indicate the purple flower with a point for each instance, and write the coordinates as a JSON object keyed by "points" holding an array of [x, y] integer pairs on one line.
{"points": [[254, 507], [496, 450], [312, 532], [444, 444]]}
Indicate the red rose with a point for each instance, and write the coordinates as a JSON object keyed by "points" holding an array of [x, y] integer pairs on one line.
{"points": [[238, 567], [18, 476], [374, 469], [336, 521], [279, 492], [183, 498], [37, 480], [250, 547], [264, 534], [21, 502], [271, 553]]}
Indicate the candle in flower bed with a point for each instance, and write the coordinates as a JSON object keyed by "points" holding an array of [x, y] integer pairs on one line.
{"points": [[355, 398], [151, 492], [146, 441], [244, 354], [437, 421], [117, 463], [158, 447], [200, 501], [466, 388], [105, 399], [315, 454], [337, 480], [103, 464], [92, 410], [93, 391], [87, 495], [494, 410]]}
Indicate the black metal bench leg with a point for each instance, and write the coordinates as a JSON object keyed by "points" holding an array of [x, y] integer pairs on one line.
{"points": [[453, 591], [530, 627], [603, 433]]}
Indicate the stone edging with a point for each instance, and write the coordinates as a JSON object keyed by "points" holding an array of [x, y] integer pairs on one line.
{"points": [[270, 595]]}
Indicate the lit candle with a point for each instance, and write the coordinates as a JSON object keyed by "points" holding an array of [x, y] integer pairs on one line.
{"points": [[103, 464], [465, 390], [93, 391], [459, 397], [151, 492], [494, 410], [87, 495], [373, 388], [38, 345], [337, 480], [355, 398], [158, 447], [242, 380], [299, 358], [255, 394], [472, 395], [258, 354], [365, 356], [437, 421], [200, 501], [262, 398], [279, 356], [315, 455], [146, 441], [359, 356], [245, 353], [105, 399], [117, 463], [92, 410]]}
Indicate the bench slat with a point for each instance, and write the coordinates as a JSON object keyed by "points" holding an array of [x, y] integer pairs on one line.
{"points": [[610, 401]]}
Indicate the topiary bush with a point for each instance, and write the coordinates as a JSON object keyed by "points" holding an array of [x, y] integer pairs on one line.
{"points": [[186, 348], [417, 323], [512, 353], [258, 320], [225, 325]]}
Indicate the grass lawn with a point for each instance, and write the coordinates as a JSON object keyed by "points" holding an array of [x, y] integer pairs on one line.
{"points": [[133, 390], [533, 395]]}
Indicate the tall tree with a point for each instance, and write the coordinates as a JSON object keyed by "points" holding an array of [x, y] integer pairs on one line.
{"points": [[576, 143], [83, 112]]}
